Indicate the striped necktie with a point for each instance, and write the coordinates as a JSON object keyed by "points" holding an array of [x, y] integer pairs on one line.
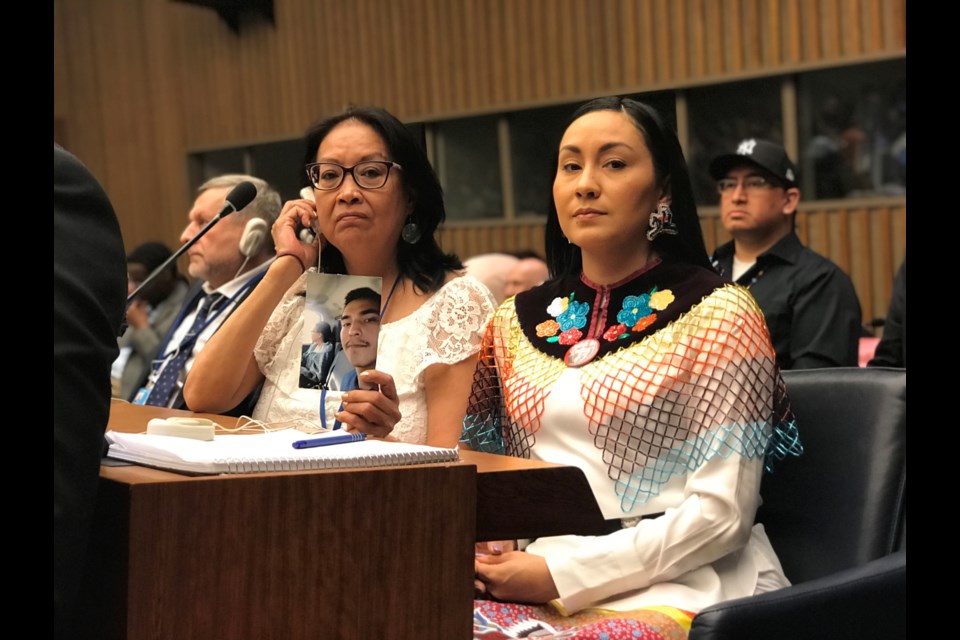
{"points": [[163, 389]]}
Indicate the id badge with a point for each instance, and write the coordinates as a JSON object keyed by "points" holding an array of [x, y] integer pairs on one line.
{"points": [[141, 397]]}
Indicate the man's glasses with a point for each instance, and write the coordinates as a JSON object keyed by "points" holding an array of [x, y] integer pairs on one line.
{"points": [[750, 184], [372, 174]]}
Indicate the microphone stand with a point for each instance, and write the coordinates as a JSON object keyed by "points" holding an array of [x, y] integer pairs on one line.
{"points": [[179, 252], [242, 195], [166, 263]]}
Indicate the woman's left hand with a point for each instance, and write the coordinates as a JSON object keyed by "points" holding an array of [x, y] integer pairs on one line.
{"points": [[373, 412], [516, 576]]}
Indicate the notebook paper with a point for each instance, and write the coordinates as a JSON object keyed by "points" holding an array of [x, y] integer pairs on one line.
{"points": [[266, 452]]}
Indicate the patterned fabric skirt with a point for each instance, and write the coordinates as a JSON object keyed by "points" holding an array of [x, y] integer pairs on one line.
{"points": [[500, 620]]}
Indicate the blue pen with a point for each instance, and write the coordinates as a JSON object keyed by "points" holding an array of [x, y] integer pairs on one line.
{"points": [[340, 438]]}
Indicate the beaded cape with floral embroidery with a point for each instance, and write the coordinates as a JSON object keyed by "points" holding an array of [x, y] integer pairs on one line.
{"points": [[684, 371]]}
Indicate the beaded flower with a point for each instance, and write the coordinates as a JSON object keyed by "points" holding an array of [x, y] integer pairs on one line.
{"points": [[634, 308], [575, 317], [570, 316], [637, 313]]}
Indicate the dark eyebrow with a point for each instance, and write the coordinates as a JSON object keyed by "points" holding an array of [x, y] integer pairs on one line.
{"points": [[379, 157], [603, 148], [365, 311]]}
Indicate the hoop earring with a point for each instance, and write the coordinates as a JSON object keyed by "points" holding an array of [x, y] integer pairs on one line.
{"points": [[661, 222], [410, 232]]}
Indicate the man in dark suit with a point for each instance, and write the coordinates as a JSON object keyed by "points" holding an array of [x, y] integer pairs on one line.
{"points": [[89, 289], [228, 263]]}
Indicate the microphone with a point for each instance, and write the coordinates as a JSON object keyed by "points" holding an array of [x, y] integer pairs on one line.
{"points": [[239, 197]]}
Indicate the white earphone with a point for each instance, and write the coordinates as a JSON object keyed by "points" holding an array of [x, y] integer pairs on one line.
{"points": [[253, 236]]}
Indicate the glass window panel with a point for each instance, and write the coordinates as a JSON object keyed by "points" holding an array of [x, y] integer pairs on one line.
{"points": [[281, 165], [534, 140], [721, 116], [419, 131], [853, 131], [210, 164], [468, 165], [664, 102]]}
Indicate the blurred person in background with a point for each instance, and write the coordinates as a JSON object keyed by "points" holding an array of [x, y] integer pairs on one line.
{"points": [[892, 349], [529, 272], [149, 317]]}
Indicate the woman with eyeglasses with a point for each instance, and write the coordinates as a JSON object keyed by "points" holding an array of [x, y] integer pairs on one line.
{"points": [[639, 365], [377, 205]]}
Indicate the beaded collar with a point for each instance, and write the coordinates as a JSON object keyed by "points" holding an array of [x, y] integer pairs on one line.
{"points": [[577, 320]]}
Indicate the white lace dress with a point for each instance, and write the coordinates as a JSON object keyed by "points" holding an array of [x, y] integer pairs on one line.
{"points": [[446, 329]]}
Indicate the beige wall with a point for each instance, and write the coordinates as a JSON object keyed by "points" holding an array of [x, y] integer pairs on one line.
{"points": [[140, 83]]}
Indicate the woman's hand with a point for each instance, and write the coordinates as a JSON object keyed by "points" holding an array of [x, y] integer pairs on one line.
{"points": [[516, 576], [374, 412], [297, 215], [490, 548], [495, 547]]}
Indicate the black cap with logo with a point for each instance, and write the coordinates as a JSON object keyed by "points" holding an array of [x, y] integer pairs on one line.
{"points": [[767, 155]]}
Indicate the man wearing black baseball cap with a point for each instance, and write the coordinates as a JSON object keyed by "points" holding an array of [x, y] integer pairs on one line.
{"points": [[810, 305]]}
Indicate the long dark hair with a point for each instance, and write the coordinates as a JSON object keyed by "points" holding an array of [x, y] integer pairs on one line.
{"points": [[671, 172], [423, 262]]}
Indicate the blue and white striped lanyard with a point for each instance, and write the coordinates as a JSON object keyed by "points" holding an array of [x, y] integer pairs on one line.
{"points": [[189, 339]]}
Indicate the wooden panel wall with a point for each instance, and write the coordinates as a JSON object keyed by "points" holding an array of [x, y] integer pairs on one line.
{"points": [[866, 238], [139, 83]]}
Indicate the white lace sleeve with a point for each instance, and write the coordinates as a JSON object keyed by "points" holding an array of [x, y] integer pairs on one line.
{"points": [[456, 321], [288, 312], [448, 328]]}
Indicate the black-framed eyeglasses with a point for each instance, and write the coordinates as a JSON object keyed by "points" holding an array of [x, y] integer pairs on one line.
{"points": [[371, 174], [750, 184]]}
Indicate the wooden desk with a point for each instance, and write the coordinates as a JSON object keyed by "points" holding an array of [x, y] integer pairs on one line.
{"points": [[516, 498], [366, 553], [519, 498]]}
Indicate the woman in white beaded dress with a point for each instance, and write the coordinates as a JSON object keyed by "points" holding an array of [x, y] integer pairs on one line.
{"points": [[641, 366]]}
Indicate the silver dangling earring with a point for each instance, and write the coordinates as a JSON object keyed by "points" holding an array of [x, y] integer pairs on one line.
{"points": [[410, 232], [661, 221]]}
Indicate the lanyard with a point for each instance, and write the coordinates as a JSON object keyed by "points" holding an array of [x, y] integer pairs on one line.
{"points": [[190, 340], [323, 392]]}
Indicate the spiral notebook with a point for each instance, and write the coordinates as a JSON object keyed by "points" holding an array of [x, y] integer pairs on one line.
{"points": [[265, 452]]}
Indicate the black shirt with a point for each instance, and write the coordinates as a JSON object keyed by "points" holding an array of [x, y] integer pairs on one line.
{"points": [[810, 305]]}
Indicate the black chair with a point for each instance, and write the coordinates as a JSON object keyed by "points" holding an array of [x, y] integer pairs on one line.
{"points": [[836, 516]]}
